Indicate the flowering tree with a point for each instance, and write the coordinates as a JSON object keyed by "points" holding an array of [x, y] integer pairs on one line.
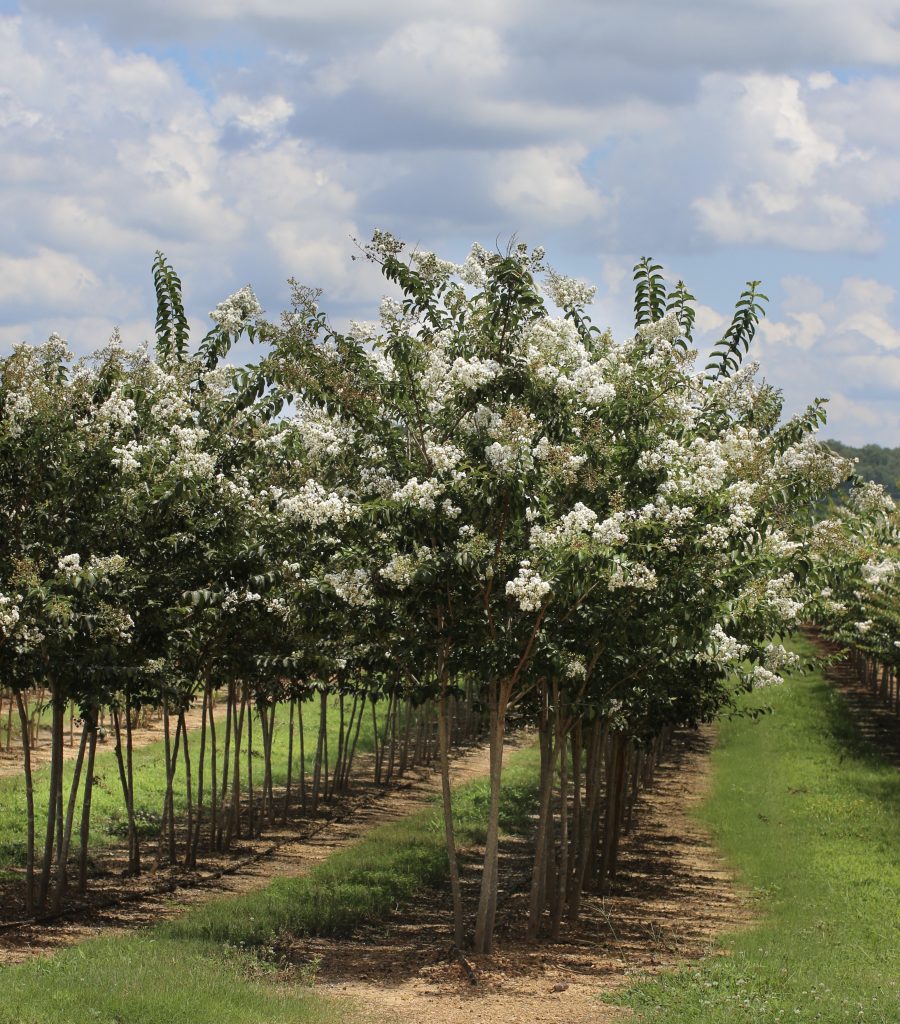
{"points": [[477, 501]]}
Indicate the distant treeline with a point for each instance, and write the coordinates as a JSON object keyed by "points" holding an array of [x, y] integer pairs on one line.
{"points": [[875, 463]]}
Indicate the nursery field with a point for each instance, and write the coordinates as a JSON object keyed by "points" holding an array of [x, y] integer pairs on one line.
{"points": [[378, 678]]}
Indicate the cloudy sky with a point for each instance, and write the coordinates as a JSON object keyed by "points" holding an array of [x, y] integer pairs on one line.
{"points": [[250, 140]]}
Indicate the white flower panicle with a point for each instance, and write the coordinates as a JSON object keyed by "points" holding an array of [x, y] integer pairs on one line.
{"points": [[721, 649], [567, 292], [9, 615], [415, 494], [528, 588], [314, 506], [238, 311], [353, 586]]}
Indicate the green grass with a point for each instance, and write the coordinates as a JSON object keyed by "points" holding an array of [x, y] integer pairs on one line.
{"points": [[145, 979], [210, 966], [365, 881], [808, 815], [108, 818]]}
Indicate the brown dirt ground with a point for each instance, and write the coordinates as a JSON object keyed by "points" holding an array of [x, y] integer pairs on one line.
{"points": [[671, 899]]}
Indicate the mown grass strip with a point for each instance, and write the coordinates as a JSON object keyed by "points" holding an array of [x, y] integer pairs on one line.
{"points": [[808, 814], [145, 979], [201, 969]]}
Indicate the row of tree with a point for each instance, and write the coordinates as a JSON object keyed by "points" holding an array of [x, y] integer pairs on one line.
{"points": [[859, 596], [477, 503]]}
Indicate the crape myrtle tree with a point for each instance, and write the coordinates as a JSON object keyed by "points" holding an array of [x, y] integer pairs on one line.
{"points": [[595, 528], [857, 557], [65, 618], [159, 554]]}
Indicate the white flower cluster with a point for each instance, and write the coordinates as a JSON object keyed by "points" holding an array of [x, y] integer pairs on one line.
{"points": [[105, 567], [235, 598], [762, 677], [278, 607], [577, 525], [126, 457], [415, 494], [313, 505], [721, 649], [635, 575], [237, 311], [18, 410], [781, 597], [576, 668], [778, 659], [443, 457], [878, 572], [352, 586], [863, 627], [871, 499], [401, 569], [567, 292], [9, 615], [528, 588], [69, 565], [472, 372], [116, 412]]}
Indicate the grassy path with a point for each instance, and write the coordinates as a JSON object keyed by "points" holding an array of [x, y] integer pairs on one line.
{"points": [[809, 815]]}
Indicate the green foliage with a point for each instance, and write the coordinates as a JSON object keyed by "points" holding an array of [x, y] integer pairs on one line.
{"points": [[727, 355], [806, 812], [881, 465], [172, 330], [649, 292], [679, 302]]}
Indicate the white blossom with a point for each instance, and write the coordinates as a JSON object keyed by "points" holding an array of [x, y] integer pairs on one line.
{"points": [[237, 311], [528, 588]]}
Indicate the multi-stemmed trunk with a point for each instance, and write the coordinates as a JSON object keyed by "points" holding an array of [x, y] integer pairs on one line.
{"points": [[487, 902]]}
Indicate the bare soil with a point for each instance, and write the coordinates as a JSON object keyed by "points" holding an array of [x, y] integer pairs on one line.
{"points": [[878, 722]]}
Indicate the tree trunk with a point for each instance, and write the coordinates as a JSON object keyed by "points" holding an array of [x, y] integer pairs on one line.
{"points": [[487, 902], [53, 817], [459, 927], [84, 832], [62, 863], [290, 761], [29, 802]]}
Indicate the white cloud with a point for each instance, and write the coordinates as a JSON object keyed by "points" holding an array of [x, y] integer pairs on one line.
{"points": [[783, 176], [264, 117], [599, 128], [544, 186], [48, 275]]}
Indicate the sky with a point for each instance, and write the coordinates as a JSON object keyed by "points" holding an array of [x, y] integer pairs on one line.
{"points": [[252, 141]]}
